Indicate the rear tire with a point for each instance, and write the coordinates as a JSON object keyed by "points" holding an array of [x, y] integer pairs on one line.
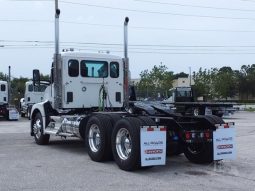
{"points": [[40, 138], [126, 143], [199, 153], [98, 138]]}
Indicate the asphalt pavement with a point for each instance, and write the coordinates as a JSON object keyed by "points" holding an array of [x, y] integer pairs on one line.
{"points": [[64, 165]]}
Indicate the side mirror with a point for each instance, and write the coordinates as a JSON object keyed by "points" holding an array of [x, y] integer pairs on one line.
{"points": [[36, 77]]}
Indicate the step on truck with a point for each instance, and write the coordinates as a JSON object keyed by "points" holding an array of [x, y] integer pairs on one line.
{"points": [[89, 99], [33, 94]]}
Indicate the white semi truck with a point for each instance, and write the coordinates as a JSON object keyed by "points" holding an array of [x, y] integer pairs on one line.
{"points": [[6, 110], [3, 98], [33, 94], [89, 99]]}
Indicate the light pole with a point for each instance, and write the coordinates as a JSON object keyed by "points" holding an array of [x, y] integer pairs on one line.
{"points": [[190, 76], [9, 84]]}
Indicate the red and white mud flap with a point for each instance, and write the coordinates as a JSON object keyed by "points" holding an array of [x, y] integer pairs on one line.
{"points": [[224, 143], [153, 145]]}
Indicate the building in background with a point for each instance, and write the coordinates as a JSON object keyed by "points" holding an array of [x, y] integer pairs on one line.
{"points": [[183, 82]]}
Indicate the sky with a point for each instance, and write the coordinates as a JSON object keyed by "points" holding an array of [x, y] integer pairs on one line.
{"points": [[180, 34]]}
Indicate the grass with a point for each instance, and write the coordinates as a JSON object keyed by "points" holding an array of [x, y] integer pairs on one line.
{"points": [[250, 109]]}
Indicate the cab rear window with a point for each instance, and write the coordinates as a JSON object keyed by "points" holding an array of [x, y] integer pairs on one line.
{"points": [[114, 69], [94, 69], [73, 68]]}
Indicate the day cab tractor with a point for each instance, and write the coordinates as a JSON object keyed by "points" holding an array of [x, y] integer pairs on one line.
{"points": [[33, 94], [3, 98], [89, 99], [6, 110]]}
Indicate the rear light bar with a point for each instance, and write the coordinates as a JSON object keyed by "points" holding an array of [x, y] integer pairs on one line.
{"points": [[225, 125], [196, 136]]}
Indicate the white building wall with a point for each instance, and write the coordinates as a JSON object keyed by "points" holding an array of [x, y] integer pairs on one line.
{"points": [[182, 82]]}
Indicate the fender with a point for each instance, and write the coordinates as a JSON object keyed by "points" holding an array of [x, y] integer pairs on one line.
{"points": [[45, 109]]}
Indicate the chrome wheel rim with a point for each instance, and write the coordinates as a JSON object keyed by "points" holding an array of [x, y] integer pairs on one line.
{"points": [[196, 112], [37, 128], [94, 138], [123, 144]]}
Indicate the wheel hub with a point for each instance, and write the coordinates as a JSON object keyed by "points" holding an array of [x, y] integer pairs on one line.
{"points": [[94, 138], [123, 144], [37, 128]]}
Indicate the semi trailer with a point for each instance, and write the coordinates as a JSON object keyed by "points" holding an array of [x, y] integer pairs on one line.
{"points": [[183, 99]]}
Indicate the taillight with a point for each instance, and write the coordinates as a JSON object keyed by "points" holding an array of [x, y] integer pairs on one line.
{"points": [[187, 135], [207, 135]]}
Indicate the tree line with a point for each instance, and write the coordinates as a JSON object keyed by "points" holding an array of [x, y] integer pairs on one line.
{"points": [[216, 83]]}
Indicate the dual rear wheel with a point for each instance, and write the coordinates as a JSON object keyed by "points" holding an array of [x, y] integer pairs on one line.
{"points": [[110, 137]]}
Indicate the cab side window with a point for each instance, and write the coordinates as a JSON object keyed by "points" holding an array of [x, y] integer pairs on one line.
{"points": [[73, 68], [114, 69], [30, 88], [3, 88]]}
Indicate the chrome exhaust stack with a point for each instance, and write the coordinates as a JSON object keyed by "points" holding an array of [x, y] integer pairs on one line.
{"points": [[126, 65], [57, 63]]}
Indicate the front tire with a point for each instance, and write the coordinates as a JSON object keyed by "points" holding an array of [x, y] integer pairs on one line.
{"points": [[40, 138]]}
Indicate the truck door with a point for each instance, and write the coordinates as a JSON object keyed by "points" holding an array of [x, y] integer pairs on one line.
{"points": [[115, 84], [3, 93]]}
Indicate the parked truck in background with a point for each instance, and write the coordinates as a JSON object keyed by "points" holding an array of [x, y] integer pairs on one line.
{"points": [[33, 94], [89, 99], [183, 99], [3, 99], [6, 110]]}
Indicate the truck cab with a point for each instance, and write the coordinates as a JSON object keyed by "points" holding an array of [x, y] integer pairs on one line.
{"points": [[91, 81], [3, 98], [181, 94], [3, 93], [33, 94]]}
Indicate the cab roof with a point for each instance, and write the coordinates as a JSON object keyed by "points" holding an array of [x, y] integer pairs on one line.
{"points": [[89, 55], [3, 82]]}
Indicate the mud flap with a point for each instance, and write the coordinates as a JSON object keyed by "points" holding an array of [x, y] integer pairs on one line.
{"points": [[153, 145], [13, 114], [224, 142]]}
